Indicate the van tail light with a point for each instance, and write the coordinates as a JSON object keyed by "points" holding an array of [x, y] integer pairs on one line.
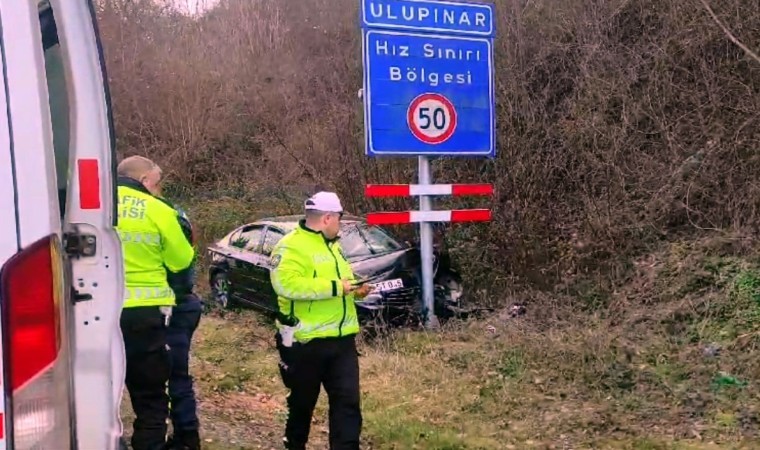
{"points": [[36, 355]]}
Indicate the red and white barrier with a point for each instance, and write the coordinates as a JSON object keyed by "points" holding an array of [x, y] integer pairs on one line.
{"points": [[410, 190], [455, 215]]}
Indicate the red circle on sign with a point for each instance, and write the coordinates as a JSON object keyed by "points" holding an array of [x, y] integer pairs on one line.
{"points": [[431, 118]]}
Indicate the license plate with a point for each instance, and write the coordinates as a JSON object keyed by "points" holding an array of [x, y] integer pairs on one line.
{"points": [[388, 285]]}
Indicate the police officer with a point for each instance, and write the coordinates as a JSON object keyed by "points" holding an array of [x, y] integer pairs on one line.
{"points": [[317, 325], [186, 316], [152, 241]]}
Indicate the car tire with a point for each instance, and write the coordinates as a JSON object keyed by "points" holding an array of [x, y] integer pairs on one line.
{"points": [[220, 290]]}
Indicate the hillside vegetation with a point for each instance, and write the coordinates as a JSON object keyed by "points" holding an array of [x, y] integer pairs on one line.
{"points": [[621, 123], [625, 214]]}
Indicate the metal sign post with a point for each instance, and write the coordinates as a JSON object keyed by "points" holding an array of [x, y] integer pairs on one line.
{"points": [[426, 247], [428, 91]]}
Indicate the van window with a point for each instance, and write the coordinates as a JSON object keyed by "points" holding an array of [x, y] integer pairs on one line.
{"points": [[57, 97]]}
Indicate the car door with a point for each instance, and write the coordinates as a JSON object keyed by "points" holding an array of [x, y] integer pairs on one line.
{"points": [[267, 298], [243, 248]]}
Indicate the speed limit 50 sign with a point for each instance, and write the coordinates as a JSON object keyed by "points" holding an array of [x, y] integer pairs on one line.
{"points": [[428, 78], [432, 118]]}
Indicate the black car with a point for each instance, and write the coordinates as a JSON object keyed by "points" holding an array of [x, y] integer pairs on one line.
{"points": [[239, 271]]}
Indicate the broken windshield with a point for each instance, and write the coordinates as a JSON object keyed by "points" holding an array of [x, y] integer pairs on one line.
{"points": [[359, 240]]}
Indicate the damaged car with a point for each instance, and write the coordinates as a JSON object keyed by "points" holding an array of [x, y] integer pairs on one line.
{"points": [[240, 266]]}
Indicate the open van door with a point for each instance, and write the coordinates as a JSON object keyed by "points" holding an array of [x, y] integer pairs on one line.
{"points": [[61, 276], [90, 238]]}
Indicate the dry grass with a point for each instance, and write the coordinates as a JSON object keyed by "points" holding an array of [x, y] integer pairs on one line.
{"points": [[637, 377]]}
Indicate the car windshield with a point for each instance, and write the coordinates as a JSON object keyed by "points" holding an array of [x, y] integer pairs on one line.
{"points": [[360, 240]]}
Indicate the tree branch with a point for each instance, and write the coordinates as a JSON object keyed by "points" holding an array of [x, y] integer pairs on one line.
{"points": [[728, 33]]}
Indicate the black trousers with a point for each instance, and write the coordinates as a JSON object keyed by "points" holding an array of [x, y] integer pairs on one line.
{"points": [[334, 364], [186, 317], [148, 369]]}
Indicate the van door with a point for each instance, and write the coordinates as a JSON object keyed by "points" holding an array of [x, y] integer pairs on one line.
{"points": [[89, 220], [9, 244]]}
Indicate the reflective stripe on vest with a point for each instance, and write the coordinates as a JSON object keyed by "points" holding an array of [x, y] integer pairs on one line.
{"points": [[147, 293], [291, 294], [316, 330], [133, 237]]}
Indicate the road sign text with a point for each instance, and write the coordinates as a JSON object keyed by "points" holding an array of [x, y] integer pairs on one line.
{"points": [[438, 16], [418, 47]]}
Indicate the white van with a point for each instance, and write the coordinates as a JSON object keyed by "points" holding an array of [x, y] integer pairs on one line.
{"points": [[61, 282]]}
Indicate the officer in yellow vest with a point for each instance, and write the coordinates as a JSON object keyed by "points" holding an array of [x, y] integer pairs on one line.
{"points": [[317, 325], [152, 242]]}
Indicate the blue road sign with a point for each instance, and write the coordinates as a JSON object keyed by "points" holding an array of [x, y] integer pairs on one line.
{"points": [[447, 17], [428, 78]]}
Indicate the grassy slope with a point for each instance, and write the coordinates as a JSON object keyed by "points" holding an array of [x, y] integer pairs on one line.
{"points": [[634, 377]]}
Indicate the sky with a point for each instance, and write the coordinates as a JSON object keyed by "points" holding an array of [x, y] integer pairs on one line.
{"points": [[194, 7]]}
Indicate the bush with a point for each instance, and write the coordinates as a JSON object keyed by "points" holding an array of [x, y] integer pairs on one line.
{"points": [[620, 123]]}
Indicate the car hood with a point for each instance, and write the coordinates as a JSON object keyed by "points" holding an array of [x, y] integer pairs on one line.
{"points": [[380, 267]]}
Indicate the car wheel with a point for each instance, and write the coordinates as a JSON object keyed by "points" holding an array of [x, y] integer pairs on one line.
{"points": [[220, 290]]}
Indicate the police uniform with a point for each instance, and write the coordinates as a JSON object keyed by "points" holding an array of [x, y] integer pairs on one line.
{"points": [[306, 274], [152, 242], [186, 316]]}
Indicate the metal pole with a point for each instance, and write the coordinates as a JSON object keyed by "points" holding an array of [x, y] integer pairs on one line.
{"points": [[426, 247]]}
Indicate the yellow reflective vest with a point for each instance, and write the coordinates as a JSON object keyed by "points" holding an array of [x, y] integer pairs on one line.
{"points": [[306, 274], [152, 241]]}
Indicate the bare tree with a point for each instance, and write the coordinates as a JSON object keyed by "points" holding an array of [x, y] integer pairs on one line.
{"points": [[618, 121]]}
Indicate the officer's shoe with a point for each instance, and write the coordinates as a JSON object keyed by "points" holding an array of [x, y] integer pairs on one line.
{"points": [[170, 444], [184, 440], [293, 445]]}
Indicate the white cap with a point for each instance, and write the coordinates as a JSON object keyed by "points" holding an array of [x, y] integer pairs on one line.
{"points": [[324, 201]]}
